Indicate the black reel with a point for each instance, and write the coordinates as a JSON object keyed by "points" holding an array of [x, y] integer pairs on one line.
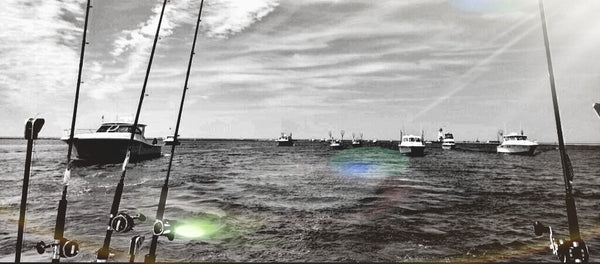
{"points": [[570, 251], [574, 251], [66, 248], [165, 228], [123, 222]]}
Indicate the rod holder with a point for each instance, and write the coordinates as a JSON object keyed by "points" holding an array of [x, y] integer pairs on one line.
{"points": [[33, 127]]}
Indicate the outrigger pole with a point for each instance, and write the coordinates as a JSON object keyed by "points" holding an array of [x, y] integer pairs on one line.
{"points": [[61, 246], [104, 252], [574, 250], [151, 257]]}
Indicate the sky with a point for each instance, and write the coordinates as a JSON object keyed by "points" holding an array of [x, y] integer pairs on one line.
{"points": [[263, 67]]}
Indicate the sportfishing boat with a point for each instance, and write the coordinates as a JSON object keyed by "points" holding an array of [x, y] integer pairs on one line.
{"points": [[170, 140], [412, 146], [285, 140], [109, 143], [335, 144], [448, 141], [357, 142], [514, 143]]}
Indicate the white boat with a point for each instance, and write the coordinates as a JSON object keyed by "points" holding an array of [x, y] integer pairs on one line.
{"points": [[109, 143], [357, 142], [448, 141], [170, 140], [285, 140], [514, 143], [335, 144], [412, 146]]}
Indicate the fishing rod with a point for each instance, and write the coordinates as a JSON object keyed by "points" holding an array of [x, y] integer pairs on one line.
{"points": [[63, 247], [160, 224], [574, 250], [32, 128], [121, 222]]}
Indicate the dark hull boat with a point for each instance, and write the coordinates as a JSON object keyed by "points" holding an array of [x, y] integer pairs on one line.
{"points": [[413, 151], [285, 143], [109, 144], [412, 146], [285, 140]]}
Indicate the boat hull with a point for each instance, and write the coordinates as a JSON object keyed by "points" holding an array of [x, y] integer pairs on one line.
{"points": [[413, 151], [517, 149], [335, 146], [448, 146], [113, 150], [287, 143]]}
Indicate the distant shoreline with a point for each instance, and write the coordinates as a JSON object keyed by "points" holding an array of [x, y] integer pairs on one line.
{"points": [[303, 140]]}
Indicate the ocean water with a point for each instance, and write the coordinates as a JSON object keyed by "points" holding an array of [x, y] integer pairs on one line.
{"points": [[254, 201]]}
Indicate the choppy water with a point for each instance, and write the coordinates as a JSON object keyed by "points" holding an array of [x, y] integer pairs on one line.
{"points": [[260, 202]]}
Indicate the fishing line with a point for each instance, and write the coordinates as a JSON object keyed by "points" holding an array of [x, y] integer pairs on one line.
{"points": [[104, 252], [160, 223]]}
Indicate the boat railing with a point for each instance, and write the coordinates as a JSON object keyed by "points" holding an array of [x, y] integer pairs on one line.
{"points": [[67, 132]]}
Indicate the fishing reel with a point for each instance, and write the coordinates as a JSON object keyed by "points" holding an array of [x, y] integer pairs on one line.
{"points": [[64, 248], [165, 228], [123, 222], [570, 251]]}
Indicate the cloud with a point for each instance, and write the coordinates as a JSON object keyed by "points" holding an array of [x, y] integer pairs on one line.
{"points": [[38, 44], [131, 48], [229, 17]]}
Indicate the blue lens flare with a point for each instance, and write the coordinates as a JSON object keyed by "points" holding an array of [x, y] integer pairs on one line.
{"points": [[368, 162]]}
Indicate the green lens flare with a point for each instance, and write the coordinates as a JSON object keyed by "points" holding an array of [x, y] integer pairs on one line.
{"points": [[214, 227], [195, 229]]}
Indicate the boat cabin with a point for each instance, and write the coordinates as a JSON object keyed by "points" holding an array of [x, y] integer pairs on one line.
{"points": [[411, 139], [121, 128], [515, 137], [448, 136]]}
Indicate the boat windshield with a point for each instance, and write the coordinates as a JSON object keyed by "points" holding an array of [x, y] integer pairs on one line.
{"points": [[103, 128], [517, 138], [449, 136], [118, 129]]}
